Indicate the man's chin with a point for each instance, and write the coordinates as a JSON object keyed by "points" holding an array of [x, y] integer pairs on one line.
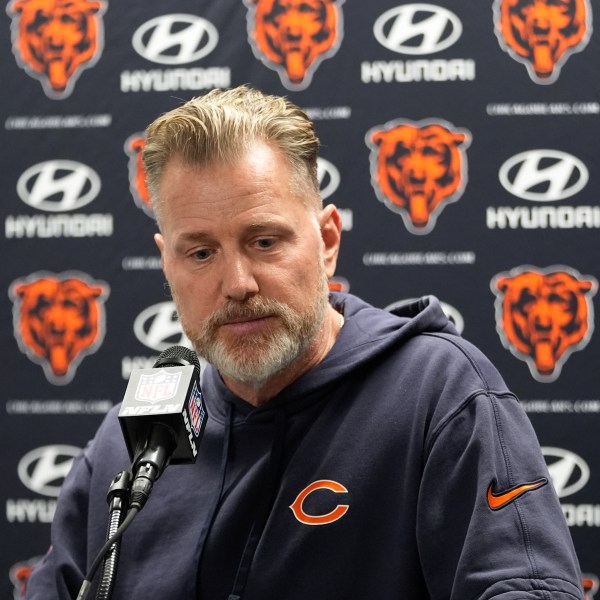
{"points": [[254, 373], [251, 363]]}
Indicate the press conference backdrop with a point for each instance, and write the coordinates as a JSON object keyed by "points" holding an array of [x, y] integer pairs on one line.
{"points": [[459, 141]]}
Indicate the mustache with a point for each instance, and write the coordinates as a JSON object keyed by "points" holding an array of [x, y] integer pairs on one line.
{"points": [[254, 308]]}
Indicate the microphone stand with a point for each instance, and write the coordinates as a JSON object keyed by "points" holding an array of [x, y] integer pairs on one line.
{"points": [[127, 495], [118, 501]]}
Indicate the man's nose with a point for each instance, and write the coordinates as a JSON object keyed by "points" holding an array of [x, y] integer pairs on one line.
{"points": [[238, 279]]}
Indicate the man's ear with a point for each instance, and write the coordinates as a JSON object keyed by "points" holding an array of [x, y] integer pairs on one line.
{"points": [[330, 223], [160, 242]]}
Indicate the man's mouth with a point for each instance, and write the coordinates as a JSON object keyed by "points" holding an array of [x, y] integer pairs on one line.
{"points": [[246, 325]]}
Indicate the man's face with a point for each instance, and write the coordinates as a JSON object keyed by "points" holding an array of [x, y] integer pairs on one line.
{"points": [[246, 263]]}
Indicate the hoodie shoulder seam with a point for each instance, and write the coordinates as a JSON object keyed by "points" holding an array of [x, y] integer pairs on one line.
{"points": [[486, 391], [452, 339]]}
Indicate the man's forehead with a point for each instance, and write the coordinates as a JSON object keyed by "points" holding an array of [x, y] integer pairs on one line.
{"points": [[261, 172]]}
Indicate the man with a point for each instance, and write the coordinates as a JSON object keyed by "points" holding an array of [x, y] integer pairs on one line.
{"points": [[350, 453]]}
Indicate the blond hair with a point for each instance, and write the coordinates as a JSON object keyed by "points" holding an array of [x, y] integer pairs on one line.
{"points": [[222, 125]]}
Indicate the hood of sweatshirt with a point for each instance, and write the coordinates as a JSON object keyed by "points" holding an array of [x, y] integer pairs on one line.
{"points": [[367, 332]]}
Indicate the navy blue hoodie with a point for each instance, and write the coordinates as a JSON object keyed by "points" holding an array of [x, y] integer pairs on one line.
{"points": [[400, 467]]}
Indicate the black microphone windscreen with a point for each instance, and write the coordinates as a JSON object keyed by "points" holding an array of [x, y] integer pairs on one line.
{"points": [[177, 355], [169, 394]]}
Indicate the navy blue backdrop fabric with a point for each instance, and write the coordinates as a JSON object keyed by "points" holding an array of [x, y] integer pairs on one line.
{"points": [[459, 141]]}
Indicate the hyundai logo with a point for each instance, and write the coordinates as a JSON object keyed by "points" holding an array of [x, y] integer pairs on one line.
{"points": [[569, 472], [158, 327], [44, 469], [175, 39], [328, 176], [417, 29], [543, 175], [58, 185]]}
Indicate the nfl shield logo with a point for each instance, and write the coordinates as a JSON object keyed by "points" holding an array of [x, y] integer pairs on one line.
{"points": [[157, 387], [196, 410]]}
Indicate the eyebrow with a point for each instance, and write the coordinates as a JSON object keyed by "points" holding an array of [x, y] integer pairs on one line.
{"points": [[199, 236], [268, 224], [195, 236]]}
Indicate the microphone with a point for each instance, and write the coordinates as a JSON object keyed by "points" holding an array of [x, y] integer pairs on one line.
{"points": [[162, 417]]}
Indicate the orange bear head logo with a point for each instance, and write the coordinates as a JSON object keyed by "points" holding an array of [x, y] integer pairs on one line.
{"points": [[137, 173], [418, 168], [58, 320], [590, 586], [53, 40], [543, 316], [542, 34], [294, 36], [19, 575]]}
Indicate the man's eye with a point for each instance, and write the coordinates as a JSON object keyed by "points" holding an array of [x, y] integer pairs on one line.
{"points": [[265, 243], [201, 254]]}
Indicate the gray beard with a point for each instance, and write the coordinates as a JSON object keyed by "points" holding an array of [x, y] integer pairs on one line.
{"points": [[254, 359]]}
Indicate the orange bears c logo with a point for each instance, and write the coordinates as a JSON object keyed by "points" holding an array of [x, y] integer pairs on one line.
{"points": [[542, 34], [137, 173], [53, 40], [322, 519], [418, 168], [58, 320], [543, 315], [294, 36]]}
